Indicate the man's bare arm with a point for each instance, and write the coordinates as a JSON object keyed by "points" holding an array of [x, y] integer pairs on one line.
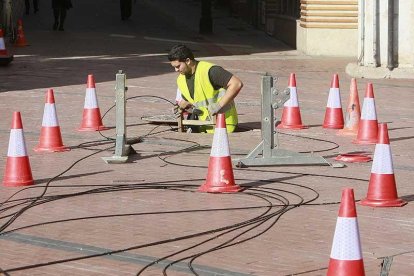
{"points": [[232, 90]]}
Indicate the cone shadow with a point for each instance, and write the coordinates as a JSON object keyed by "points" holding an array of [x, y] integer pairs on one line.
{"points": [[407, 198], [45, 180], [401, 138]]}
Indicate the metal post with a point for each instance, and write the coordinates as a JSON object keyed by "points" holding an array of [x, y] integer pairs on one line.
{"points": [[390, 56], [267, 117], [122, 150]]}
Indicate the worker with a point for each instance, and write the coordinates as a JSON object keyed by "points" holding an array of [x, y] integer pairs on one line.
{"points": [[204, 87]]}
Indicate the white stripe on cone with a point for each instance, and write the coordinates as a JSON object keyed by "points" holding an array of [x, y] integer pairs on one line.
{"points": [[334, 99], [368, 109], [90, 99], [49, 116], [382, 162], [17, 145], [2, 45], [293, 100], [346, 243], [220, 147]]}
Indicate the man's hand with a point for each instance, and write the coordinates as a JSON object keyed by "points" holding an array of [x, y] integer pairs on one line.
{"points": [[214, 108], [180, 107], [184, 104], [177, 110]]}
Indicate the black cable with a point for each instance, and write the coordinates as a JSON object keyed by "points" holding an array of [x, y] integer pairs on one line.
{"points": [[21, 211], [37, 199], [112, 252], [197, 244], [130, 98], [162, 185], [226, 243], [4, 226], [4, 272], [265, 230], [222, 246], [229, 242], [336, 145], [119, 250]]}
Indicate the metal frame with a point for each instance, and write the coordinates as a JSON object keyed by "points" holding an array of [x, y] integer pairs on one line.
{"points": [[268, 153]]}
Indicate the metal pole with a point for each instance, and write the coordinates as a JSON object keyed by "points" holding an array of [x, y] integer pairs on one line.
{"points": [[267, 117], [120, 90], [362, 31], [122, 149], [390, 59], [375, 32]]}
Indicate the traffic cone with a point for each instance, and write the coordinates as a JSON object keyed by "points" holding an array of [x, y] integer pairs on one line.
{"points": [[5, 57], [353, 112], [291, 118], [3, 50], [220, 178], [382, 190], [368, 125], [333, 114], [50, 137], [21, 39], [18, 171], [346, 255], [91, 119]]}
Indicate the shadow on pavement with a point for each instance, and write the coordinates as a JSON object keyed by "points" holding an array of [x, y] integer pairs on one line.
{"points": [[97, 41]]}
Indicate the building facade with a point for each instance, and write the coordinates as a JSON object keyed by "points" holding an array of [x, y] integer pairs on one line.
{"points": [[377, 33]]}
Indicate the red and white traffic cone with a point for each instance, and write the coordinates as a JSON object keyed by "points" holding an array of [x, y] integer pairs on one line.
{"points": [[334, 117], [353, 112], [50, 136], [3, 50], [5, 57], [291, 118], [21, 38], [368, 125], [346, 254], [18, 171], [91, 119], [382, 189], [220, 178]]}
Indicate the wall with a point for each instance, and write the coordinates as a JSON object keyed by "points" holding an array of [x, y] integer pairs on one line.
{"points": [[385, 46], [328, 28]]}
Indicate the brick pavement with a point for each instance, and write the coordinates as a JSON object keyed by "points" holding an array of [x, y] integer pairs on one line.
{"points": [[96, 208]]}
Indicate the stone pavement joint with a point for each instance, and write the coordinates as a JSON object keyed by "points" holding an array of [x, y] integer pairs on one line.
{"points": [[88, 250]]}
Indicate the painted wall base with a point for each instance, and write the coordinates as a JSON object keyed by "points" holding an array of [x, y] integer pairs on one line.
{"points": [[356, 71], [327, 42]]}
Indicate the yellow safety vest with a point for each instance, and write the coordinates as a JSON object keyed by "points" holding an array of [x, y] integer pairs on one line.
{"points": [[204, 94]]}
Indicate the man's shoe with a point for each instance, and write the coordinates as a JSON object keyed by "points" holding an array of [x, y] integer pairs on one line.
{"points": [[61, 28]]}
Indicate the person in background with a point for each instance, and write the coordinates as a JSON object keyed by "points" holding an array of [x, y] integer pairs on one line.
{"points": [[35, 6], [126, 9], [204, 87], [60, 8]]}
